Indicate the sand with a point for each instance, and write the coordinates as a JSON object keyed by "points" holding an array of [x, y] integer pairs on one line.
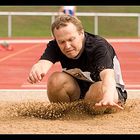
{"points": [[31, 113]]}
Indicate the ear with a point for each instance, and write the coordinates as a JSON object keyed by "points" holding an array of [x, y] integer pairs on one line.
{"points": [[82, 33]]}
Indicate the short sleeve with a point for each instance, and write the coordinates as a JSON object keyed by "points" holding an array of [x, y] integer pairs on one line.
{"points": [[103, 58], [51, 52]]}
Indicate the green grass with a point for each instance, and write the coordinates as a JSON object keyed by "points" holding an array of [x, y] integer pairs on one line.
{"points": [[34, 26], [39, 26]]}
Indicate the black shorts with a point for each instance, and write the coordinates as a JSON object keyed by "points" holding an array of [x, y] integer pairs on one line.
{"points": [[122, 95], [84, 86]]}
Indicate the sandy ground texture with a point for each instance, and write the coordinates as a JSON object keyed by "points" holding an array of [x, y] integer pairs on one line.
{"points": [[31, 113]]}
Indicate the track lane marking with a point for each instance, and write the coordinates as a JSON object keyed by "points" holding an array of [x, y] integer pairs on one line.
{"points": [[19, 52]]}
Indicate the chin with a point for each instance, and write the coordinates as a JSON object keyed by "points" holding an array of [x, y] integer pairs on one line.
{"points": [[71, 56]]}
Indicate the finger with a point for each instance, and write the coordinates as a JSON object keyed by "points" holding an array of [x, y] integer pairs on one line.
{"points": [[32, 79], [35, 77], [42, 75], [29, 80], [102, 103], [98, 104], [38, 77], [105, 104], [118, 106], [115, 105]]}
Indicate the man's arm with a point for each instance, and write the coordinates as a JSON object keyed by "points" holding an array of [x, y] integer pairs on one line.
{"points": [[108, 89], [38, 71]]}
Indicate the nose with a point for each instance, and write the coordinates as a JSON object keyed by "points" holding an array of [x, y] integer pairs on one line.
{"points": [[67, 45]]}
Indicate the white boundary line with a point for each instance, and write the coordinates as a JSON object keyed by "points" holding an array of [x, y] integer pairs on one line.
{"points": [[25, 41], [42, 90], [22, 90], [41, 94], [124, 40], [44, 86], [47, 40], [31, 86]]}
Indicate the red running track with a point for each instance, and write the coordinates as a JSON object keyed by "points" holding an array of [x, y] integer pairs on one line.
{"points": [[15, 65]]}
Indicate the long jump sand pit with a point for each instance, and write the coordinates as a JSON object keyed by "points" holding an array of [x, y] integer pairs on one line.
{"points": [[29, 112]]}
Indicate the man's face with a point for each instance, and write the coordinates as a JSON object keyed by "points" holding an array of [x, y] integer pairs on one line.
{"points": [[69, 40]]}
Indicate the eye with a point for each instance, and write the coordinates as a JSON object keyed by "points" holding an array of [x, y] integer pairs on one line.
{"points": [[71, 39], [61, 42]]}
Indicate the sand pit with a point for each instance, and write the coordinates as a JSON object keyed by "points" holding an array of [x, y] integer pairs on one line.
{"points": [[31, 113]]}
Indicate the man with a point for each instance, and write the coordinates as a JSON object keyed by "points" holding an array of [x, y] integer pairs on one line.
{"points": [[91, 70]]}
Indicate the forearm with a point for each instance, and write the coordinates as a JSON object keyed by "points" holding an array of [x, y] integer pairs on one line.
{"points": [[108, 83], [46, 65], [109, 87]]}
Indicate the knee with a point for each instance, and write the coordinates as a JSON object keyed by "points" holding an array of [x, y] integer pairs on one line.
{"points": [[95, 92], [55, 80]]}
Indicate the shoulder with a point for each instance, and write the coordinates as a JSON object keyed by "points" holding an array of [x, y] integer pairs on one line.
{"points": [[95, 40], [52, 42], [52, 45], [96, 44]]}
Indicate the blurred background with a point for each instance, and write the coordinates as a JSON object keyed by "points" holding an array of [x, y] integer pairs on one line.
{"points": [[25, 31], [39, 26]]}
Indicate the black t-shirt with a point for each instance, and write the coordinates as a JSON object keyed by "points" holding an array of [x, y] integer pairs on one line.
{"points": [[97, 55]]}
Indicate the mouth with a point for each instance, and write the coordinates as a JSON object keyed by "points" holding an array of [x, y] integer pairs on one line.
{"points": [[69, 51]]}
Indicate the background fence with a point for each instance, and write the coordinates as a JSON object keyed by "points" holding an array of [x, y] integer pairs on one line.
{"points": [[52, 15]]}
